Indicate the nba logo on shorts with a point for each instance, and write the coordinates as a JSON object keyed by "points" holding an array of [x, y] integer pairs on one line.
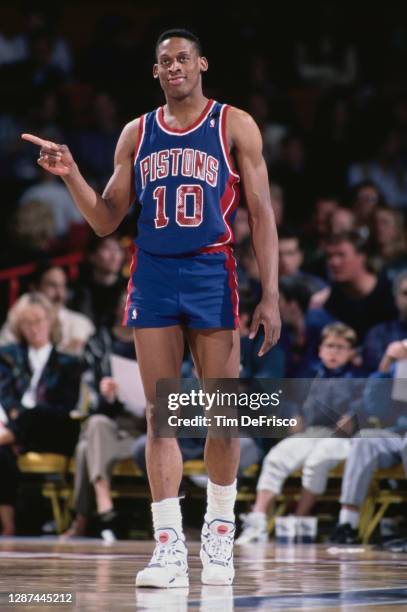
{"points": [[134, 314]]}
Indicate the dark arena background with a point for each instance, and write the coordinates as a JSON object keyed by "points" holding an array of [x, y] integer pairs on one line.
{"points": [[326, 84]]}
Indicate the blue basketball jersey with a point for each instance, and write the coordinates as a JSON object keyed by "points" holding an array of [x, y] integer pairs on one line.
{"points": [[185, 183]]}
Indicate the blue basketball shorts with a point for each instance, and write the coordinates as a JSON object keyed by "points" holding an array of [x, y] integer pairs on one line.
{"points": [[198, 290]]}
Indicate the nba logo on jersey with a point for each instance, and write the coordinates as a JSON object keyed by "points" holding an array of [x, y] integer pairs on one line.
{"points": [[186, 184], [134, 314]]}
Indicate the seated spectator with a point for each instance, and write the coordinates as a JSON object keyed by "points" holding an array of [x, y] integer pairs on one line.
{"points": [[386, 169], [290, 260], [108, 434], [388, 241], [330, 410], [357, 297], [39, 387], [372, 449], [315, 234], [387, 337], [52, 192], [341, 220], [33, 235], [317, 228], [365, 198], [100, 285], [301, 329], [76, 328]]}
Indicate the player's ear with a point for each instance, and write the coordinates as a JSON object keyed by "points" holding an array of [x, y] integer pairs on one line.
{"points": [[203, 63], [155, 71]]}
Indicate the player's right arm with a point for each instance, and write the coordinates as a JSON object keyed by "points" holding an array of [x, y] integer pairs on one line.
{"points": [[103, 212]]}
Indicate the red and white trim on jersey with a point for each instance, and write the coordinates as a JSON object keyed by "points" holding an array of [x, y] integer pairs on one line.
{"points": [[130, 284], [228, 203], [230, 198], [224, 140], [140, 137], [159, 116]]}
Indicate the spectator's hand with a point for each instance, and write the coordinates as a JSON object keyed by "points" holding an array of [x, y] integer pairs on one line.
{"points": [[55, 158], [396, 350], [108, 388], [345, 426], [319, 298], [267, 314], [299, 427], [74, 347]]}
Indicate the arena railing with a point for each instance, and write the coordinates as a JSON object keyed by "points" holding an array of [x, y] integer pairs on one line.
{"points": [[13, 276]]}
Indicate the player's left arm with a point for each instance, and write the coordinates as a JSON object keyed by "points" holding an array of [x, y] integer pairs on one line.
{"points": [[246, 143]]}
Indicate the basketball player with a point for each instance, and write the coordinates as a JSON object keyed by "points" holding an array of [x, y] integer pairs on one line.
{"points": [[180, 162]]}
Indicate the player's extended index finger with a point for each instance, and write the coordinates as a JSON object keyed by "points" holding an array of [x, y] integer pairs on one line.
{"points": [[38, 141]]}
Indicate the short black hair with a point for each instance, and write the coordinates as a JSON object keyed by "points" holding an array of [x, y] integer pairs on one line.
{"points": [[286, 232], [179, 33], [295, 291], [354, 238], [43, 266]]}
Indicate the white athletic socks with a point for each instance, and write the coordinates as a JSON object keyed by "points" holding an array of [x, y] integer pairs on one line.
{"points": [[221, 501], [349, 516], [167, 514]]}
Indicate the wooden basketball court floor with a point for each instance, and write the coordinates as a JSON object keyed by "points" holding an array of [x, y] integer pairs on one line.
{"points": [[268, 577]]}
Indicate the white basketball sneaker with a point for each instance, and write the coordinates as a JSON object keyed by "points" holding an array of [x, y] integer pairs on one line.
{"points": [[168, 567], [217, 552], [254, 528]]}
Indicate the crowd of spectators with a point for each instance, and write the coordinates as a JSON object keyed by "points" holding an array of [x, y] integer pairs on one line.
{"points": [[335, 143]]}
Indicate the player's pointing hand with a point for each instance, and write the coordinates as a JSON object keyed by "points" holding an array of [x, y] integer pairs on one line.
{"points": [[55, 158]]}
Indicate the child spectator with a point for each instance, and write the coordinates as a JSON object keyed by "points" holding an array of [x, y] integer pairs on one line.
{"points": [[328, 412]]}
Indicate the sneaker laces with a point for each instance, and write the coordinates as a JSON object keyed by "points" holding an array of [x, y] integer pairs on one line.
{"points": [[219, 547], [163, 554]]}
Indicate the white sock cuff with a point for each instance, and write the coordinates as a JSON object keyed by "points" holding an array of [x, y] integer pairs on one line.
{"points": [[170, 503], [222, 490], [167, 513], [349, 516]]}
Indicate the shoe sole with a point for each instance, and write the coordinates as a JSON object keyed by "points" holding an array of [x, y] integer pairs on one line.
{"points": [[179, 581], [217, 581]]}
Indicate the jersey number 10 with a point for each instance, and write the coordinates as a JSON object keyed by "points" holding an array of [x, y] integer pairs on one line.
{"points": [[183, 193]]}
